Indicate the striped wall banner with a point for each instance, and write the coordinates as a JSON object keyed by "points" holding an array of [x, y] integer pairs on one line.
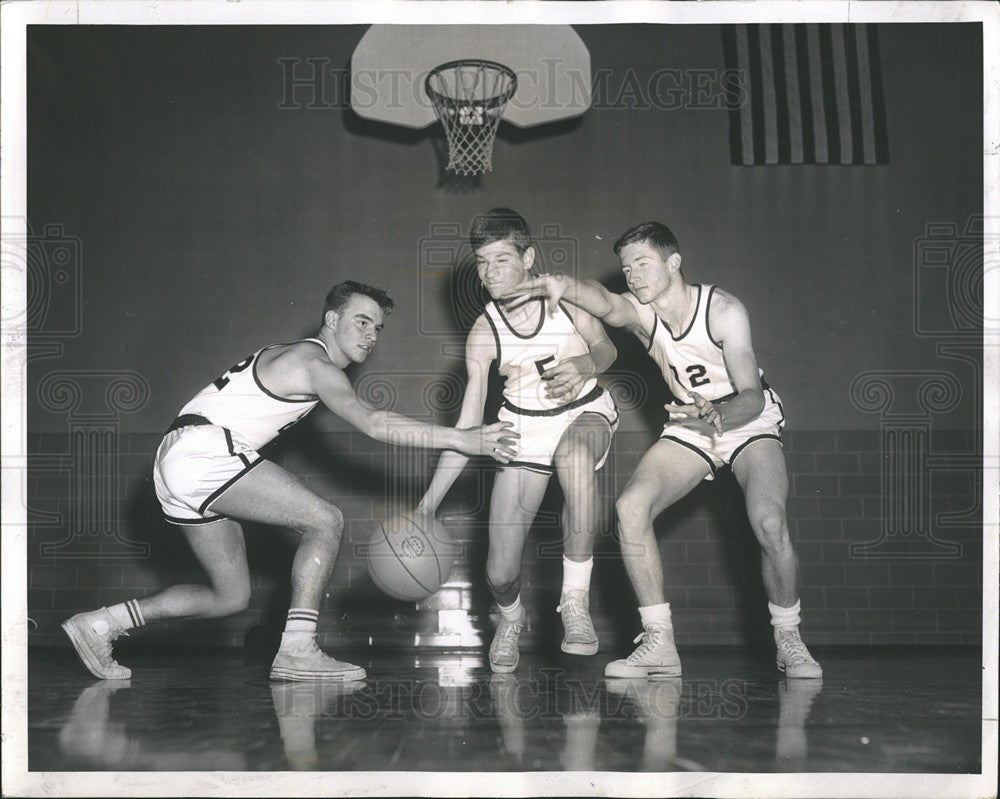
{"points": [[812, 95]]}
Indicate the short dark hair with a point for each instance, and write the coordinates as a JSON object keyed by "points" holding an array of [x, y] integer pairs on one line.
{"points": [[500, 224], [339, 295], [656, 234]]}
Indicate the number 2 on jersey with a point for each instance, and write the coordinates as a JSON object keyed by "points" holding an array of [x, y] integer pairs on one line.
{"points": [[220, 382], [696, 375]]}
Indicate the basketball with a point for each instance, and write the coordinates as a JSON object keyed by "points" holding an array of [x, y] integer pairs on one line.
{"points": [[409, 556]]}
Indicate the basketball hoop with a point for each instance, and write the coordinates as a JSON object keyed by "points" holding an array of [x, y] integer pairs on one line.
{"points": [[469, 98]]}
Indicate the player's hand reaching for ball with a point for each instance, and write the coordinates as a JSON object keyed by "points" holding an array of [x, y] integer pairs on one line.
{"points": [[497, 440], [550, 286]]}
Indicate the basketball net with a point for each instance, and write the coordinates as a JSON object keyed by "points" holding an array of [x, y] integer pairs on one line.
{"points": [[469, 98]]}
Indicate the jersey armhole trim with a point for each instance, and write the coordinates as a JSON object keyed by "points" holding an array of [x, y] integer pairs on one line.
{"points": [[652, 335], [268, 392], [496, 333], [708, 324]]}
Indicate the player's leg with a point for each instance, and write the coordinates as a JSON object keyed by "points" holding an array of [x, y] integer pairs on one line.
{"points": [[517, 495], [760, 470], [220, 549], [272, 495], [580, 450], [666, 473]]}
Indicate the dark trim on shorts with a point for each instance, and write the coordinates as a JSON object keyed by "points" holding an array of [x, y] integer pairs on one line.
{"points": [[774, 400], [229, 483], [530, 466], [232, 450], [188, 420], [612, 423], [693, 448], [193, 522], [745, 444], [595, 393]]}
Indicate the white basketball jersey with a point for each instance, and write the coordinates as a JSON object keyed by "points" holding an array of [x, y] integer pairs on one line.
{"points": [[692, 360], [521, 358], [238, 401]]}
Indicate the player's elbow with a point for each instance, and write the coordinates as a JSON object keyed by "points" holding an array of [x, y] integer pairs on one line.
{"points": [[374, 425], [754, 398], [609, 353]]}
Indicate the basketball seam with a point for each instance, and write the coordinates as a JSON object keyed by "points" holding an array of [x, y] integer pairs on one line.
{"points": [[402, 563], [387, 589]]}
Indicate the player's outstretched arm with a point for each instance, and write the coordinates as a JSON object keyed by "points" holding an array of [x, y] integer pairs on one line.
{"points": [[479, 354], [591, 296], [334, 390]]}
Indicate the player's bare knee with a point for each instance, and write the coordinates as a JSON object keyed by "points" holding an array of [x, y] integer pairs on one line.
{"points": [[502, 585], [234, 599], [771, 528], [632, 516], [333, 519], [328, 524]]}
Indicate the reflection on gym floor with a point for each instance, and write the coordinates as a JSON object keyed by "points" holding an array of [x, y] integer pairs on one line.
{"points": [[878, 711]]}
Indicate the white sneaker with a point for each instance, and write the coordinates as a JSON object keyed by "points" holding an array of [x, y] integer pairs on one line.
{"points": [[656, 656], [579, 636], [309, 662], [504, 652], [793, 658], [92, 634]]}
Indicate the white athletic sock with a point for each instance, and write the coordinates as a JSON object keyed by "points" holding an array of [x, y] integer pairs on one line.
{"points": [[785, 618], [512, 611], [658, 615], [127, 614], [576, 575]]}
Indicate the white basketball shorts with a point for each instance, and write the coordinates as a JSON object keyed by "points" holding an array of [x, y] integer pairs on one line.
{"points": [[541, 431], [194, 466], [721, 450]]}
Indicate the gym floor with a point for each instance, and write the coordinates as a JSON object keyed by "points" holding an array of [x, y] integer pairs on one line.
{"points": [[876, 710]]}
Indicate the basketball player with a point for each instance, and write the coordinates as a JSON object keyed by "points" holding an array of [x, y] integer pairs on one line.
{"points": [[208, 473], [727, 416], [549, 356]]}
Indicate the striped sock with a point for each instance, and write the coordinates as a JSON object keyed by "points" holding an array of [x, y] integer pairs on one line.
{"points": [[301, 620], [128, 614]]}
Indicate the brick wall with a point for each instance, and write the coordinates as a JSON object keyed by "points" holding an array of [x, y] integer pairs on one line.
{"points": [[872, 570]]}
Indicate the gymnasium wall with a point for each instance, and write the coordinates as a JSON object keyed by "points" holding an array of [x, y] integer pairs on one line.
{"points": [[195, 191]]}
